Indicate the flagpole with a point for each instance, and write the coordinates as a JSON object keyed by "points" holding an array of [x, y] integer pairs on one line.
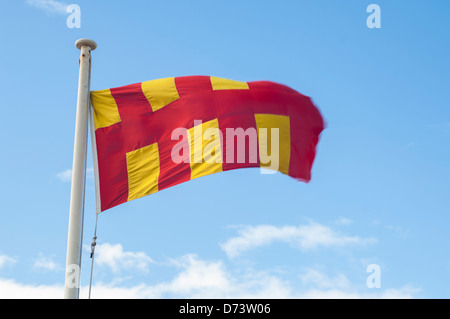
{"points": [[76, 214]]}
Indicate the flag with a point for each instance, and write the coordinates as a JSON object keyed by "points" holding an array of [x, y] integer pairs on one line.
{"points": [[156, 134]]}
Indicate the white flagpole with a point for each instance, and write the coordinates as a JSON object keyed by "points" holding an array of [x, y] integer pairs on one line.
{"points": [[76, 214]]}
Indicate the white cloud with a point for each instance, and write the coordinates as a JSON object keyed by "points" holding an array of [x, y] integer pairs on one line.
{"points": [[272, 288], [199, 274], [46, 263], [6, 260], [307, 237], [342, 221], [199, 278], [10, 289], [316, 278], [116, 258], [51, 6], [66, 176], [401, 293]]}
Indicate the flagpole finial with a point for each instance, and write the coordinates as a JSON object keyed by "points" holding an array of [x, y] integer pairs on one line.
{"points": [[91, 43]]}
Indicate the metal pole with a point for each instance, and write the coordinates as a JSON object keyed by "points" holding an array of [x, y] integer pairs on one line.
{"points": [[76, 214]]}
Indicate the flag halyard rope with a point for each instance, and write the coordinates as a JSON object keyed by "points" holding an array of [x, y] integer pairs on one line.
{"points": [[93, 245]]}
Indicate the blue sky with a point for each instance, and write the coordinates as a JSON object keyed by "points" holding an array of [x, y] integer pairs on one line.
{"points": [[379, 192]]}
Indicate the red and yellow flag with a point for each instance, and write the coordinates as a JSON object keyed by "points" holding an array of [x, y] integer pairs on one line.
{"points": [[157, 134]]}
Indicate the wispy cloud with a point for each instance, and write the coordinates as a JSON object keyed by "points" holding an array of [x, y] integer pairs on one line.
{"points": [[114, 257], [46, 263], [199, 278], [319, 279], [194, 277], [6, 260], [342, 221], [66, 175], [307, 237], [51, 6]]}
